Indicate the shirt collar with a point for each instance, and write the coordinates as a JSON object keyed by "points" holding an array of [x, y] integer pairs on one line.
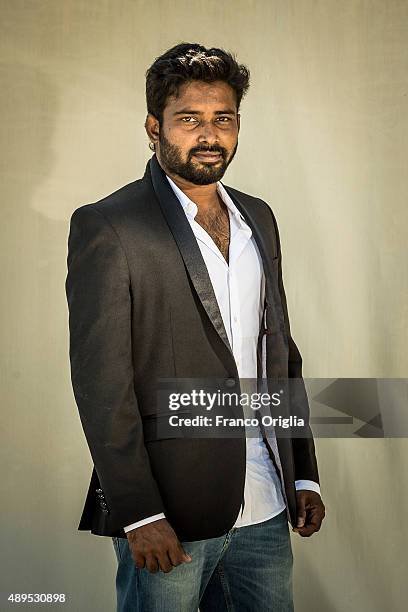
{"points": [[190, 207]]}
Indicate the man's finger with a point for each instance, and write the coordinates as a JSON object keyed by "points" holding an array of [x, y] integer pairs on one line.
{"points": [[178, 555], [316, 515], [139, 560], [152, 564], [305, 532], [308, 529], [313, 524], [165, 564], [301, 512], [185, 556]]}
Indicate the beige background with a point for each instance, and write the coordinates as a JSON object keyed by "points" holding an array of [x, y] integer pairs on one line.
{"points": [[324, 140]]}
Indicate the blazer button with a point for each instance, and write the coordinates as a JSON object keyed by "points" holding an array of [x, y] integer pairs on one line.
{"points": [[230, 382], [98, 490]]}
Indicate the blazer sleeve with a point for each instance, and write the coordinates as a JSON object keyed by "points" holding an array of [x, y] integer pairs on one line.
{"points": [[303, 447], [100, 349]]}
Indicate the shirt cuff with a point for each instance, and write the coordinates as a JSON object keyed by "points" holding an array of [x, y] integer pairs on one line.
{"points": [[144, 521], [310, 485]]}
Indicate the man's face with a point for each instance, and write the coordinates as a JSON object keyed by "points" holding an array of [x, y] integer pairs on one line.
{"points": [[199, 134]]}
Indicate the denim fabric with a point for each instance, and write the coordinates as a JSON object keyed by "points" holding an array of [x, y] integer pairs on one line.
{"points": [[249, 569]]}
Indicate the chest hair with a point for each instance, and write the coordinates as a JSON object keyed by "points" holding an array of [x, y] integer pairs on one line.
{"points": [[216, 223]]}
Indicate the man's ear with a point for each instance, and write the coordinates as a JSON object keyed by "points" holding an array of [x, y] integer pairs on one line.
{"points": [[152, 127]]}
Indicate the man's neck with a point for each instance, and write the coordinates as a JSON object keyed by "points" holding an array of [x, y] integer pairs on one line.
{"points": [[205, 196]]}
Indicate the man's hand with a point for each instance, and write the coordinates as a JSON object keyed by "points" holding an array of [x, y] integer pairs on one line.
{"points": [[156, 547], [310, 512]]}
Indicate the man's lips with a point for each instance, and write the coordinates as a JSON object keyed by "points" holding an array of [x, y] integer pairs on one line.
{"points": [[208, 156]]}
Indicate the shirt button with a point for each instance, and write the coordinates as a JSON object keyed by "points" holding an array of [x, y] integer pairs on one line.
{"points": [[235, 319]]}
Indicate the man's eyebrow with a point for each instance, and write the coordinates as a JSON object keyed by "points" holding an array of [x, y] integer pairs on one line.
{"points": [[188, 111]]}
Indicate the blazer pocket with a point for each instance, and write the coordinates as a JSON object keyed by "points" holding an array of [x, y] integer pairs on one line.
{"points": [[159, 426]]}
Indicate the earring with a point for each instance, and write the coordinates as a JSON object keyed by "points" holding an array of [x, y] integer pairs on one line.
{"points": [[152, 146]]}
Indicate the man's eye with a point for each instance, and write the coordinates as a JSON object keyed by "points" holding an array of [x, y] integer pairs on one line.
{"points": [[193, 119]]}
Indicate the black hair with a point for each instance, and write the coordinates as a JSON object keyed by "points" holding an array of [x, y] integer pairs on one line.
{"points": [[188, 62]]}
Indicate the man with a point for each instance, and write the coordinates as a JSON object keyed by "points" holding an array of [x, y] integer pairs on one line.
{"points": [[177, 276]]}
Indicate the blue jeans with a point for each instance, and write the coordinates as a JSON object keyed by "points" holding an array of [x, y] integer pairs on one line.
{"points": [[249, 569]]}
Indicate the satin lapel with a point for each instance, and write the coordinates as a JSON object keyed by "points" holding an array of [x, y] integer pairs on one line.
{"points": [[187, 244], [260, 241], [276, 338], [276, 349]]}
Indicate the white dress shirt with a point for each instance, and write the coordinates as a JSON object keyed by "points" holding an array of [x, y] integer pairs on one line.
{"points": [[239, 287]]}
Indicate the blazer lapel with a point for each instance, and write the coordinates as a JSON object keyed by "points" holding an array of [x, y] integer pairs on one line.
{"points": [[272, 298], [276, 351], [251, 221], [188, 247]]}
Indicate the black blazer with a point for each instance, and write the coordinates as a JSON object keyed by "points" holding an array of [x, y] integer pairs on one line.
{"points": [[142, 308]]}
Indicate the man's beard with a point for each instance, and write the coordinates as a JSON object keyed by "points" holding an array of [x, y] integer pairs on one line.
{"points": [[203, 173]]}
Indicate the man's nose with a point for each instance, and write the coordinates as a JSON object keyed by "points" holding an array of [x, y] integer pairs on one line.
{"points": [[208, 133]]}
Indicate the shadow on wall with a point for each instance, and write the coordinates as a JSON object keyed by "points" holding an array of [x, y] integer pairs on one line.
{"points": [[39, 485]]}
